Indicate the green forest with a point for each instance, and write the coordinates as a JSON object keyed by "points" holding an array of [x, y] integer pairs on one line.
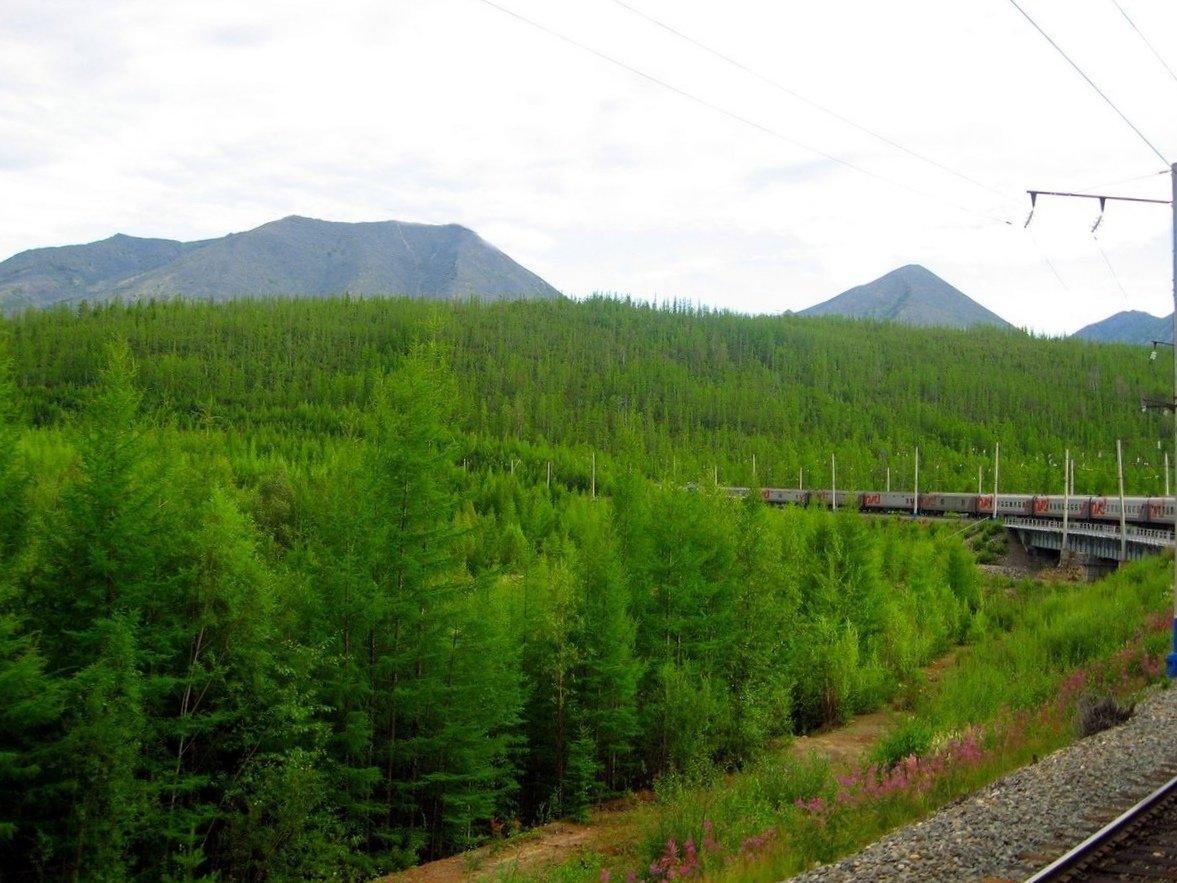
{"points": [[324, 588]]}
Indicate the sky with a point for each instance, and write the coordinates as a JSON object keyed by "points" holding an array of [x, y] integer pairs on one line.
{"points": [[741, 155]]}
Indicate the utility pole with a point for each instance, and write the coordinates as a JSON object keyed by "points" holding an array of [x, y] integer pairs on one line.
{"points": [[1062, 558], [1171, 659], [996, 468], [915, 504], [1123, 518]]}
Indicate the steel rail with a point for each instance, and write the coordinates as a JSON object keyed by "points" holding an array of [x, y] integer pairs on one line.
{"points": [[1101, 837]]}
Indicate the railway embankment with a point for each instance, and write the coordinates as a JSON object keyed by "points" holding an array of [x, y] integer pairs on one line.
{"points": [[1023, 821]]}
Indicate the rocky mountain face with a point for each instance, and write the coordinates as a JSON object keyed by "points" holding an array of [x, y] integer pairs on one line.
{"points": [[1130, 326], [293, 257], [911, 295]]}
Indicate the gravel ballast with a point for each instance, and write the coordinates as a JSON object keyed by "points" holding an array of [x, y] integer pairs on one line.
{"points": [[1022, 822]]}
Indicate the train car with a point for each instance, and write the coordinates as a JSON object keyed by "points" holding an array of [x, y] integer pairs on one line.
{"points": [[1161, 511], [963, 504], [1076, 508], [888, 501], [1108, 509], [1013, 504], [842, 499], [779, 496]]}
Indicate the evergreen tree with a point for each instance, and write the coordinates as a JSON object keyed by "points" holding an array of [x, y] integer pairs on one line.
{"points": [[606, 634], [30, 706]]}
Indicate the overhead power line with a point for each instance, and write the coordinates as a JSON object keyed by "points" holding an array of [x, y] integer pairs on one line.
{"points": [[1090, 82], [738, 117], [1144, 39], [1147, 177], [1111, 269], [803, 99]]}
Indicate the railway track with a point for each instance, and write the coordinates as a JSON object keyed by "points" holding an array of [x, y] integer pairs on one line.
{"points": [[1140, 845]]}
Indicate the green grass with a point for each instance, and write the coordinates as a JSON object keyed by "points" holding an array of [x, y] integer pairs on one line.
{"points": [[1009, 698], [989, 542]]}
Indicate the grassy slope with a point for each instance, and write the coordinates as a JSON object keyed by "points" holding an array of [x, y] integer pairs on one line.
{"points": [[1006, 700]]}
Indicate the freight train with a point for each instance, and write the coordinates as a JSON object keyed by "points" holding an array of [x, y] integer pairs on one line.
{"points": [[1157, 511]]}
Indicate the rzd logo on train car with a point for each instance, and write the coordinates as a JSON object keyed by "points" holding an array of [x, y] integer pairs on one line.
{"points": [[872, 499], [1041, 504], [1098, 508]]}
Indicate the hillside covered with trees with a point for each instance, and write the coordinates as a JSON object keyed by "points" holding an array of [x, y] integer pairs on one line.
{"points": [[302, 589], [670, 392]]}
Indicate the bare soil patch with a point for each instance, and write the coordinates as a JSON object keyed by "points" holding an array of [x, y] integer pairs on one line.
{"points": [[609, 824], [614, 821]]}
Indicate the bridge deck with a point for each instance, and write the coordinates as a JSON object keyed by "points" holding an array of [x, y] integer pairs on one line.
{"points": [[1102, 540]]}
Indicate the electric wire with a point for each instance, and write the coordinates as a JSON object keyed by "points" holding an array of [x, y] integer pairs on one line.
{"points": [[1111, 269], [1090, 82], [1144, 39], [803, 99], [1046, 260], [1107, 184], [738, 117]]}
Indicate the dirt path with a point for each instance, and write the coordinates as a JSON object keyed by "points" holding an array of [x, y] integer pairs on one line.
{"points": [[614, 821], [608, 824], [536, 848], [539, 846]]}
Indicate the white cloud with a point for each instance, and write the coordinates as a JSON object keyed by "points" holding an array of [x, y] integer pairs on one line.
{"points": [[189, 121]]}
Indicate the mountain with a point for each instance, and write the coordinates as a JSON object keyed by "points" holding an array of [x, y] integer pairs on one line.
{"points": [[1130, 326], [291, 257], [910, 295]]}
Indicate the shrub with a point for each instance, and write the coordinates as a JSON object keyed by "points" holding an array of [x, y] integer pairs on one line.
{"points": [[1096, 715], [912, 738]]}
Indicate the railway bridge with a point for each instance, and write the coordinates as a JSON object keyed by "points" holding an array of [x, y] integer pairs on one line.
{"points": [[1101, 546], [1086, 538]]}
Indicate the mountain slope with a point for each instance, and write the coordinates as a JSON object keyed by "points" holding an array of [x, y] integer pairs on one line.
{"points": [[44, 276], [291, 257], [910, 295], [1129, 326]]}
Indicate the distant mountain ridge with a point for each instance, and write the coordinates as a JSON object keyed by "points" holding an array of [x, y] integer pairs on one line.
{"points": [[1129, 326], [295, 256], [911, 295]]}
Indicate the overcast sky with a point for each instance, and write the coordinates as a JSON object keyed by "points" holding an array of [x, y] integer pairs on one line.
{"points": [[832, 142]]}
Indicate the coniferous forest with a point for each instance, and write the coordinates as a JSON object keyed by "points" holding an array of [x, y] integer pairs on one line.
{"points": [[309, 589]]}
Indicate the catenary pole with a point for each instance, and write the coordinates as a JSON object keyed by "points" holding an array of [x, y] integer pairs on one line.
{"points": [[1123, 518], [1171, 659], [915, 504], [1062, 558], [996, 467]]}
